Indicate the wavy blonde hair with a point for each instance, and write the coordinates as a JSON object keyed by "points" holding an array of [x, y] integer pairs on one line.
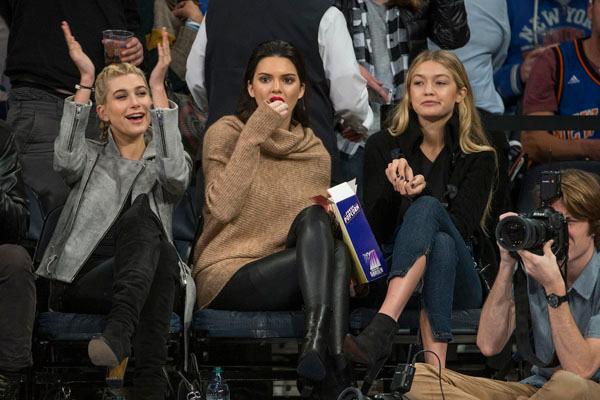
{"points": [[100, 88], [471, 136]]}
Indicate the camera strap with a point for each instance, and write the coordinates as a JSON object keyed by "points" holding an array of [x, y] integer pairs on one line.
{"points": [[523, 318]]}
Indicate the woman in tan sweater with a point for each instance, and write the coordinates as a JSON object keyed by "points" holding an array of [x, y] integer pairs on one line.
{"points": [[265, 245]]}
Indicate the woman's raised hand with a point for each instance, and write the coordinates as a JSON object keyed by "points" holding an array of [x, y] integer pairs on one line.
{"points": [[81, 60], [159, 73], [400, 175], [280, 107]]}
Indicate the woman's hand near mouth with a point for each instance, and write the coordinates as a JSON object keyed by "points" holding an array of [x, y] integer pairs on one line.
{"points": [[279, 106]]}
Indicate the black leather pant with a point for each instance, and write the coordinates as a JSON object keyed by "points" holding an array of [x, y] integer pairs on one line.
{"points": [[136, 288], [313, 270]]}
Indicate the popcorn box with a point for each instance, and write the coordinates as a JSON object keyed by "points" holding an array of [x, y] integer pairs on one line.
{"points": [[368, 259]]}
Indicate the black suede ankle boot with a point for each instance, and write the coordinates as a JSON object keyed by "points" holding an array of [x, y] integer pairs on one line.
{"points": [[373, 346], [109, 349], [311, 364]]}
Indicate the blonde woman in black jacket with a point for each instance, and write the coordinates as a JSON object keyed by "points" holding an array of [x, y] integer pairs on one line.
{"points": [[428, 185]]}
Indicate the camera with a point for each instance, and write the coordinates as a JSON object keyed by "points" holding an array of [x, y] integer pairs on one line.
{"points": [[531, 230]]}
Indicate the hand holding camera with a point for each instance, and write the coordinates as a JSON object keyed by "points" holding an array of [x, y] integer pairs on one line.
{"points": [[539, 238], [544, 268]]}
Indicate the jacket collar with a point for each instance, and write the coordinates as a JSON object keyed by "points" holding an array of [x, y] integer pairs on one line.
{"points": [[414, 136], [111, 147]]}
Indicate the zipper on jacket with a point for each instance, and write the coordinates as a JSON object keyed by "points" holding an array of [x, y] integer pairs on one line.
{"points": [[117, 217], [50, 261], [161, 128], [78, 108]]}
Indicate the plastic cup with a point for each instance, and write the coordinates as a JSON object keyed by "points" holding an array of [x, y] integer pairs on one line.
{"points": [[114, 41]]}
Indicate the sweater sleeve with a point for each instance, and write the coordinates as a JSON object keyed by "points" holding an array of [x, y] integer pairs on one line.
{"points": [[381, 202], [467, 208], [540, 93], [508, 78], [230, 160]]}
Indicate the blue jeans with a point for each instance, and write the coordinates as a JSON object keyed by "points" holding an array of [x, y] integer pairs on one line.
{"points": [[450, 280]]}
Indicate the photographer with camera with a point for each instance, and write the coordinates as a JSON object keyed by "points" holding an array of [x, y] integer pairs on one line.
{"points": [[564, 301]]}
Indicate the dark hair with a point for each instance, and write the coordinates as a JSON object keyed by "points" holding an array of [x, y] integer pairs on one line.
{"points": [[273, 48]]}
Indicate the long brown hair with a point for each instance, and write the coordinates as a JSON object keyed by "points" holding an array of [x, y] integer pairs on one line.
{"points": [[274, 48], [580, 194]]}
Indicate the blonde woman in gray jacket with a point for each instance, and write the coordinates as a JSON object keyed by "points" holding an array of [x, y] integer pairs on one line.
{"points": [[111, 252]]}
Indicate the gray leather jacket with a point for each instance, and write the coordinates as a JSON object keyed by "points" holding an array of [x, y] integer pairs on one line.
{"points": [[101, 181]]}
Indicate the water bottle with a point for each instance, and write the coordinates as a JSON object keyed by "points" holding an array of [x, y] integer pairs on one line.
{"points": [[217, 389]]}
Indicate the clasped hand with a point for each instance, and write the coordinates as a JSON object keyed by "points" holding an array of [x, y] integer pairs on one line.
{"points": [[400, 175]]}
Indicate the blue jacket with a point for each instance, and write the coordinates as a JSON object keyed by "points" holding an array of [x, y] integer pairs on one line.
{"points": [[551, 17]]}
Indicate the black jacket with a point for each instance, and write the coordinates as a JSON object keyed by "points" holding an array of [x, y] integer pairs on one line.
{"points": [[443, 21], [13, 203], [468, 179], [37, 52]]}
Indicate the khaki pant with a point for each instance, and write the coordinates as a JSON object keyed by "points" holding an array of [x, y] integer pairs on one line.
{"points": [[562, 386]]}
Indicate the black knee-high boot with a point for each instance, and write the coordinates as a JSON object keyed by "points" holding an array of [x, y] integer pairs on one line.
{"points": [[311, 235], [138, 238], [313, 356], [338, 376]]}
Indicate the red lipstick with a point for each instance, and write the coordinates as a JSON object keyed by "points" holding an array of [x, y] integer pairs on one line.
{"points": [[275, 98]]}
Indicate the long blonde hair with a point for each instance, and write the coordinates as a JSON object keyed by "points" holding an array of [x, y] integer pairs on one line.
{"points": [[109, 72], [471, 136]]}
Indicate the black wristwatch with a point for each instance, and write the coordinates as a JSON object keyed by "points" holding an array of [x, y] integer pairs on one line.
{"points": [[555, 300]]}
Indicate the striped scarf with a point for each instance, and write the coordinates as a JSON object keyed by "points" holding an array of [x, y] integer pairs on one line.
{"points": [[396, 40]]}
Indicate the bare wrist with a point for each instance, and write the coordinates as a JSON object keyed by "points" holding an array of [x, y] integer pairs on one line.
{"points": [[557, 287], [87, 81]]}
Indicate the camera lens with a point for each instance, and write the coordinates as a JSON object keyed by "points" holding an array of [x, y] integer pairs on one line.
{"points": [[520, 233]]}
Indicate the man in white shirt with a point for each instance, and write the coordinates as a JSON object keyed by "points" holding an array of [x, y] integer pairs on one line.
{"points": [[338, 92]]}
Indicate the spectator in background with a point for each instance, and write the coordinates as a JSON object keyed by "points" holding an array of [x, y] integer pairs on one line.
{"points": [[566, 81], [536, 24], [387, 35], [4, 83], [17, 287], [485, 51], [265, 245], [42, 75], [232, 29], [182, 20]]}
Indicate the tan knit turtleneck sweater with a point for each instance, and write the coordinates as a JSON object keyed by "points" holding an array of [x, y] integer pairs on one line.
{"points": [[257, 178]]}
